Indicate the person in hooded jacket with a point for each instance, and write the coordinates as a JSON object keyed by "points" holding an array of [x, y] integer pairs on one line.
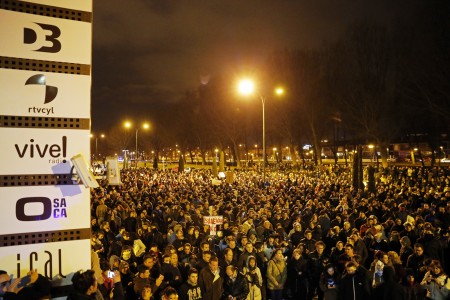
{"points": [[389, 289], [254, 278], [377, 274]]}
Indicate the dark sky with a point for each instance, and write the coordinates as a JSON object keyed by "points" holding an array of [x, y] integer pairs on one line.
{"points": [[148, 52]]}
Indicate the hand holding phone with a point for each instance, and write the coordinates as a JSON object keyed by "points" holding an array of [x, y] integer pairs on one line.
{"points": [[24, 281]]}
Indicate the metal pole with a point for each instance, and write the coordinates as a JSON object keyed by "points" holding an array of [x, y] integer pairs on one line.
{"points": [[96, 148], [263, 101], [136, 155]]}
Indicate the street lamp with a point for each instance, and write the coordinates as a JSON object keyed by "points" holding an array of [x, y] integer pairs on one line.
{"points": [[96, 142], [144, 126], [246, 87]]}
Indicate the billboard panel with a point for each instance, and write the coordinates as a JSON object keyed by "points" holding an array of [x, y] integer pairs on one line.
{"points": [[84, 5], [50, 259], [30, 93], [43, 38], [41, 151], [44, 208]]}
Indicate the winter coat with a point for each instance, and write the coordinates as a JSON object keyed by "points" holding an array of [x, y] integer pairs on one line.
{"points": [[389, 289], [329, 286], [237, 288], [254, 279], [211, 285], [354, 287], [276, 274]]}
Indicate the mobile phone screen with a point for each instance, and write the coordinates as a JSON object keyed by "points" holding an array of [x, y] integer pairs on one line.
{"points": [[24, 281]]}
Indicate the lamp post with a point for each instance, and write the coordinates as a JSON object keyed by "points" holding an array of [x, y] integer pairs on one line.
{"points": [[144, 126], [96, 143], [246, 87]]}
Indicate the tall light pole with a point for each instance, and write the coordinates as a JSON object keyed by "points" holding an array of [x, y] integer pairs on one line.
{"points": [[247, 87], [144, 126], [96, 143]]}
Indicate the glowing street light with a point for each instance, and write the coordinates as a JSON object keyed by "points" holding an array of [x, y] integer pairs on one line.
{"points": [[247, 87], [96, 142], [129, 125]]}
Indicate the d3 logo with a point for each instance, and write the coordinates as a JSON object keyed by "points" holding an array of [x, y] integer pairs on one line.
{"points": [[50, 91], [50, 44]]}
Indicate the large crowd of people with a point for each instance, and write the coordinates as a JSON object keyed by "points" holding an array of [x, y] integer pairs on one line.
{"points": [[300, 235]]}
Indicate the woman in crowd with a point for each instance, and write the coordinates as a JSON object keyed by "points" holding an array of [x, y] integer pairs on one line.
{"points": [[254, 278], [435, 282], [276, 275], [329, 283]]}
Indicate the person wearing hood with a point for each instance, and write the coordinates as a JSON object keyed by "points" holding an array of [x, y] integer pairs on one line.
{"points": [[254, 278], [389, 289], [377, 276], [190, 290], [435, 282], [114, 262]]}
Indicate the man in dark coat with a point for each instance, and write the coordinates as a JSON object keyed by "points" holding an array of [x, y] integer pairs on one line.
{"points": [[416, 261], [210, 281], [353, 285], [236, 285], [317, 262]]}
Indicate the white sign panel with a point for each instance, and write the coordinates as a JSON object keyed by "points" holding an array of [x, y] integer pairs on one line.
{"points": [[112, 171], [50, 259], [212, 220], [84, 5], [44, 208], [30, 93], [41, 151], [37, 37]]}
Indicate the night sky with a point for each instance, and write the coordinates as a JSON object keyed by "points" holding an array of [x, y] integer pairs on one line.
{"points": [[149, 52]]}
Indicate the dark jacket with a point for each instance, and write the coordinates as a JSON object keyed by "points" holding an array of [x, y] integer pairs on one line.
{"points": [[40, 288], [210, 285], [237, 288], [389, 289], [354, 287], [78, 296]]}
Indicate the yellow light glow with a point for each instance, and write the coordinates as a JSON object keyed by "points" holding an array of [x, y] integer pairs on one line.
{"points": [[279, 91], [246, 87], [127, 124]]}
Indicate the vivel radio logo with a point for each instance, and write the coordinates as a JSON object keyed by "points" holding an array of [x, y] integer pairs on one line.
{"points": [[55, 153], [50, 94]]}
